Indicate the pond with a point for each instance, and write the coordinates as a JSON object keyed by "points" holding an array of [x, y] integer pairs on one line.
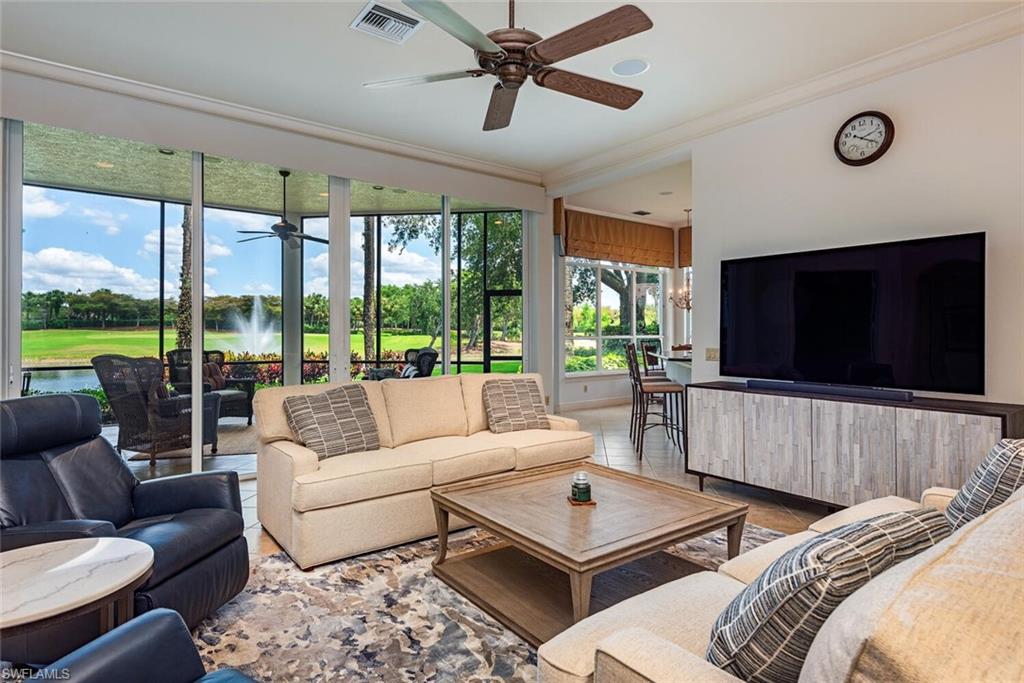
{"points": [[63, 380]]}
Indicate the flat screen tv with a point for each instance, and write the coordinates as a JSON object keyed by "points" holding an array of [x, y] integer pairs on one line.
{"points": [[907, 315]]}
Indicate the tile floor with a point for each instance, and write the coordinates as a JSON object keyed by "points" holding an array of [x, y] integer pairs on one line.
{"points": [[613, 448]]}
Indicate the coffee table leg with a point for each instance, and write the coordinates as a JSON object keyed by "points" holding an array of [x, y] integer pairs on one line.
{"points": [[441, 515], [580, 583], [735, 531]]}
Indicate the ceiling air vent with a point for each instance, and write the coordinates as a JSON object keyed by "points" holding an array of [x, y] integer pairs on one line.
{"points": [[385, 23], [641, 212]]}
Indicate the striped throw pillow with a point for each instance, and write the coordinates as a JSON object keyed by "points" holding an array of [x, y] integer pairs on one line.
{"points": [[335, 422], [513, 405], [765, 632], [994, 480]]}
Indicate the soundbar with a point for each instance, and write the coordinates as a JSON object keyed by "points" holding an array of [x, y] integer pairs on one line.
{"points": [[832, 390]]}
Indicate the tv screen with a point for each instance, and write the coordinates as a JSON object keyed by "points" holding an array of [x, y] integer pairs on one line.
{"points": [[908, 315]]}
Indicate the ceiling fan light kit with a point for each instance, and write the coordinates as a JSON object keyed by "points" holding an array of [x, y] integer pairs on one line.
{"points": [[516, 55]]}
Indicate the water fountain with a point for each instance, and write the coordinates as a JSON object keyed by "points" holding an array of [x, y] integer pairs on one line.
{"points": [[255, 335]]}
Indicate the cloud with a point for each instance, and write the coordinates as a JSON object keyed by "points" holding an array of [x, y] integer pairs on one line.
{"points": [[317, 227], [210, 272], [258, 288], [238, 220], [36, 204], [215, 247], [67, 270], [108, 220], [408, 268], [318, 285]]}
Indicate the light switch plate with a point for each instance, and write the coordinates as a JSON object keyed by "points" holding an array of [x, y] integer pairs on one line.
{"points": [[711, 353]]}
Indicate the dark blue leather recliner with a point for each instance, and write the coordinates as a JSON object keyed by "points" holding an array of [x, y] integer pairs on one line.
{"points": [[59, 479], [155, 648]]}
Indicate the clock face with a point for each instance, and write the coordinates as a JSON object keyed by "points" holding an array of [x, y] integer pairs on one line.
{"points": [[864, 138]]}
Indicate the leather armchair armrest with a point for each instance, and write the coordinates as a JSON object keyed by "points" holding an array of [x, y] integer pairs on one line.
{"points": [[636, 654], [563, 424], [155, 646], [60, 530], [168, 495], [937, 497]]}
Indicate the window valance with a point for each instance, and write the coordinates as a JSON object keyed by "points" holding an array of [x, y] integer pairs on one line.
{"points": [[593, 236]]}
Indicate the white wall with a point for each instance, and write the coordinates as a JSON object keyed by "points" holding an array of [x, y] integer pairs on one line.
{"points": [[774, 185]]}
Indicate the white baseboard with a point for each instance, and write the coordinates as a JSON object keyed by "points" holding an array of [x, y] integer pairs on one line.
{"points": [[596, 403]]}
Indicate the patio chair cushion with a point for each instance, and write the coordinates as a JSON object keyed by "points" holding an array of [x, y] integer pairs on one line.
{"points": [[213, 376], [333, 423], [180, 540], [514, 405]]}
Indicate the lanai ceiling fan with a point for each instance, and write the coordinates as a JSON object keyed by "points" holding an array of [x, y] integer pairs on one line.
{"points": [[282, 229], [515, 54]]}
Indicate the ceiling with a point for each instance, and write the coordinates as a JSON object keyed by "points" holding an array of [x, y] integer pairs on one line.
{"points": [[302, 60], [665, 193], [74, 160]]}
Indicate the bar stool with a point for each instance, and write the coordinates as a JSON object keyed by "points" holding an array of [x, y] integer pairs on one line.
{"points": [[651, 366], [648, 391]]}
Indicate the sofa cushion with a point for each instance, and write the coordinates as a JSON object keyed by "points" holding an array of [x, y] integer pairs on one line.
{"points": [[333, 423], [680, 611], [514, 405], [539, 447], [991, 483], [950, 614], [455, 458], [272, 423], [862, 511], [180, 540], [765, 632], [747, 566], [424, 408], [361, 476], [473, 395]]}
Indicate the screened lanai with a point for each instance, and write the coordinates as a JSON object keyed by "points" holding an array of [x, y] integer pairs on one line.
{"points": [[107, 270]]}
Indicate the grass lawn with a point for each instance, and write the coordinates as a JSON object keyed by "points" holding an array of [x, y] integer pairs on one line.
{"points": [[77, 347]]}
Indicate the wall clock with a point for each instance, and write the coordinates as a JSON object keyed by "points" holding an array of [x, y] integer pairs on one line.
{"points": [[864, 138]]}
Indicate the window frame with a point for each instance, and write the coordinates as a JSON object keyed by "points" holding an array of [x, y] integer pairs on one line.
{"points": [[598, 337]]}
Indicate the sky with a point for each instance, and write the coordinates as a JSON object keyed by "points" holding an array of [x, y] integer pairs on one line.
{"points": [[78, 241]]}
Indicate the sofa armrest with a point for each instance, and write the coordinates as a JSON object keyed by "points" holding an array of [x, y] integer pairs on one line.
{"points": [[168, 495], [563, 424], [637, 655], [155, 647], [937, 497], [60, 530]]}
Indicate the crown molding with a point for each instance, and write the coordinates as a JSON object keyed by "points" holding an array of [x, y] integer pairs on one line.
{"points": [[674, 144], [627, 217], [63, 73]]}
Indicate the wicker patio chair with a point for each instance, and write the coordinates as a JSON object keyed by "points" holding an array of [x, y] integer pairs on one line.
{"points": [[149, 419], [237, 393]]}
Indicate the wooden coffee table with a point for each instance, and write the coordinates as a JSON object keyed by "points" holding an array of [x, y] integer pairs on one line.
{"points": [[538, 581]]}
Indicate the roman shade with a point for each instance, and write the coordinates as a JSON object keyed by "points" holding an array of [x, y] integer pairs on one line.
{"points": [[603, 238]]}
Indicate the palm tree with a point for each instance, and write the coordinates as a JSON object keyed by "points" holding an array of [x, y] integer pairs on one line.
{"points": [[183, 323]]}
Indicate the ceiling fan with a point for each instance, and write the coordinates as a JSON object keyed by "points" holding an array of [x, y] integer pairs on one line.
{"points": [[282, 229], [515, 54]]}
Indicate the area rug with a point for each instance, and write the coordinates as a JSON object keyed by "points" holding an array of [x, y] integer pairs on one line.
{"points": [[383, 617]]}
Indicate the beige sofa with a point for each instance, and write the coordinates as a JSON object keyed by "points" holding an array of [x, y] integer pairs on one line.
{"points": [[951, 613], [432, 431]]}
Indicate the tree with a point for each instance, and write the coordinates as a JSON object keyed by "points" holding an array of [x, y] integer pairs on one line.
{"points": [[369, 292], [183, 322]]}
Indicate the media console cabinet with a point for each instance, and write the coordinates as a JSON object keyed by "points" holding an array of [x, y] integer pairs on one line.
{"points": [[839, 450]]}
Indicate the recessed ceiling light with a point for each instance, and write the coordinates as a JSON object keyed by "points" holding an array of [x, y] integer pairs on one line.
{"points": [[378, 187], [168, 152], [665, 193], [325, 194], [631, 67], [104, 164], [641, 212]]}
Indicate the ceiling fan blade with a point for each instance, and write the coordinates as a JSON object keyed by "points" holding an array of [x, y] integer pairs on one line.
{"points": [[499, 112], [262, 237], [448, 20], [593, 89], [615, 25], [255, 232], [419, 80], [304, 236]]}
